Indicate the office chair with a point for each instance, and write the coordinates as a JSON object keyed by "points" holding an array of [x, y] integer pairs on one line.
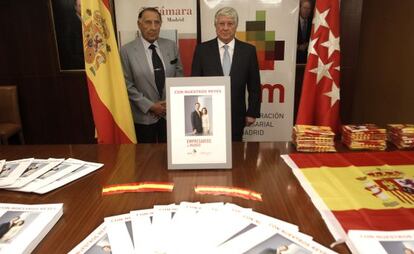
{"points": [[10, 123]]}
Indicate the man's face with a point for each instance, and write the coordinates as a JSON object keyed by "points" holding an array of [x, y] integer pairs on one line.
{"points": [[149, 25], [78, 7], [197, 106], [305, 9], [225, 28]]}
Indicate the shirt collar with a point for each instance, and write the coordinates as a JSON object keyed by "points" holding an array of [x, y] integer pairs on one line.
{"points": [[147, 43], [230, 44]]}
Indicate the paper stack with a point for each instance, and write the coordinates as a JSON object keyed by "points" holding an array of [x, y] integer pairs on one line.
{"points": [[401, 135], [310, 138], [364, 137], [22, 227], [197, 228], [41, 176], [387, 242]]}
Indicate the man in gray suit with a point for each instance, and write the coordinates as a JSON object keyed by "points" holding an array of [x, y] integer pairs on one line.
{"points": [[146, 62]]}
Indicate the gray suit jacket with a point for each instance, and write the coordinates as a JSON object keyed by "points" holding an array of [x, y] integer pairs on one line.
{"points": [[140, 80]]}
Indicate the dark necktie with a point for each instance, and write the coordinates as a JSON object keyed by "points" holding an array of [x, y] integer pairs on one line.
{"points": [[159, 72], [304, 29]]}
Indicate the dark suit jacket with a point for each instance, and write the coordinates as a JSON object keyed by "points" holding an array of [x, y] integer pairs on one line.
{"points": [[303, 36], [196, 122], [244, 73]]}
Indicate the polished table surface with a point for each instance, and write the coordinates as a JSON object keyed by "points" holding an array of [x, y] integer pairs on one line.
{"points": [[256, 166]]}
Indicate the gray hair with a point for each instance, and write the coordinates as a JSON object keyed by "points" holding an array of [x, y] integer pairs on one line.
{"points": [[227, 12]]}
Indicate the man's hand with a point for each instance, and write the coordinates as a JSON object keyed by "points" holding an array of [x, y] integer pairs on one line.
{"points": [[303, 46], [159, 109], [250, 120]]}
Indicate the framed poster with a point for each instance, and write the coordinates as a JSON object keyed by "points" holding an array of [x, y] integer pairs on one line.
{"points": [[199, 123]]}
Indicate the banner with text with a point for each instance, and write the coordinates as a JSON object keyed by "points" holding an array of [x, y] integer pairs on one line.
{"points": [[272, 27], [179, 23]]}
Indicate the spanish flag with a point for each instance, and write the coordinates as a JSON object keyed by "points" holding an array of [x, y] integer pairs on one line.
{"points": [[359, 191], [107, 91]]}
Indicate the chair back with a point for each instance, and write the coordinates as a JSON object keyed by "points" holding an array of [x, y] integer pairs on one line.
{"points": [[9, 105]]}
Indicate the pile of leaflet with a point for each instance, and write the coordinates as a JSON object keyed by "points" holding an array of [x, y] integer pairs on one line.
{"points": [[310, 138], [401, 135], [41, 176], [364, 137], [197, 228]]}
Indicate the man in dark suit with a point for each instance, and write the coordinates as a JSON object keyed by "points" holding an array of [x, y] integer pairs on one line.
{"points": [[146, 61], [196, 119], [304, 30], [227, 56]]}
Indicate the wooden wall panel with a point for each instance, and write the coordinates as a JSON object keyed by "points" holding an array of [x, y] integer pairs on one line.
{"points": [[384, 89], [351, 11], [54, 106]]}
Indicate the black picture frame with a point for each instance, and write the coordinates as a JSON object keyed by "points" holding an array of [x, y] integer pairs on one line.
{"points": [[67, 27]]}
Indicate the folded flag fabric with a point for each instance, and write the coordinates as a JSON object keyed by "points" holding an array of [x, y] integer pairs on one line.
{"points": [[312, 138], [364, 137], [401, 135]]}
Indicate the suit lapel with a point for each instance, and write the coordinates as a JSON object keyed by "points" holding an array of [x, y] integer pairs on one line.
{"points": [[216, 57], [145, 66], [165, 52], [237, 57]]}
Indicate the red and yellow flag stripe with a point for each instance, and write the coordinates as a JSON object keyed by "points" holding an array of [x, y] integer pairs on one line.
{"points": [[228, 191], [138, 187]]}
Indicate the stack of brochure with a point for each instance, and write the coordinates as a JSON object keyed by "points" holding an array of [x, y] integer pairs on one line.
{"points": [[197, 228], [22, 227], [401, 135], [310, 138], [364, 137], [391, 242], [41, 176]]}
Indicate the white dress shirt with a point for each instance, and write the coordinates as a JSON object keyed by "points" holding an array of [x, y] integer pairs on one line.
{"points": [[148, 53]]}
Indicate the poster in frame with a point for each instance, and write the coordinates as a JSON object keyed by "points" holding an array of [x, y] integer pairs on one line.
{"points": [[199, 123]]}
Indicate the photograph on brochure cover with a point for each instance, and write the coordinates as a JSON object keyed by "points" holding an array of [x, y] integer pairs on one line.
{"points": [[12, 223], [198, 123], [22, 226], [96, 242], [12, 170], [7, 169], [404, 247]]}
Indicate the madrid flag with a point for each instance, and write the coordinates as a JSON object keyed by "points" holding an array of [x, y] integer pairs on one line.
{"points": [[107, 91], [319, 103]]}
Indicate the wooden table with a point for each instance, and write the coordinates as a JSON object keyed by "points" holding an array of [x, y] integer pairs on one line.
{"points": [[256, 166]]}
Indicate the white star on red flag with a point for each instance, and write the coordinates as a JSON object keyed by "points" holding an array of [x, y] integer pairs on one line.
{"points": [[333, 94], [322, 70], [324, 61], [320, 19], [332, 44], [311, 47]]}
